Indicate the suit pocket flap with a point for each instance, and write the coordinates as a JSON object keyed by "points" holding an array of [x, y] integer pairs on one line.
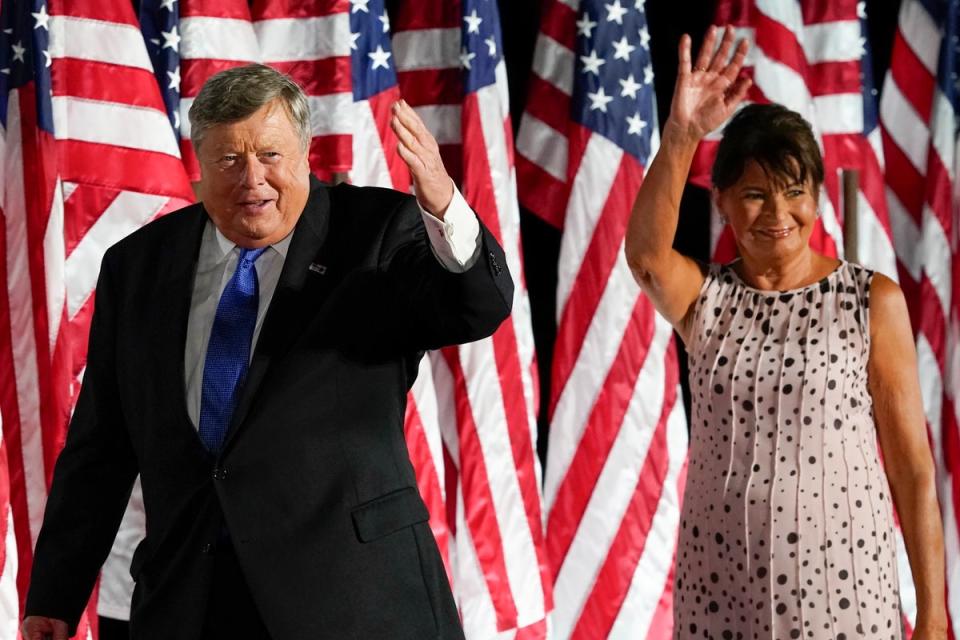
{"points": [[389, 513]]}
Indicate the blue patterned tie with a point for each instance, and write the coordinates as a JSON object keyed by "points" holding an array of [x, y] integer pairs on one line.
{"points": [[228, 351]]}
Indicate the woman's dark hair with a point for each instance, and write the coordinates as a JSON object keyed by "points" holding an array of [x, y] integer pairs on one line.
{"points": [[776, 138]]}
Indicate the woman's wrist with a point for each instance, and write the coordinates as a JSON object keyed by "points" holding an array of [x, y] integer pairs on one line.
{"points": [[675, 133]]}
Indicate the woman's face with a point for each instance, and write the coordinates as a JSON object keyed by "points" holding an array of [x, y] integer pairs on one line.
{"points": [[770, 221]]}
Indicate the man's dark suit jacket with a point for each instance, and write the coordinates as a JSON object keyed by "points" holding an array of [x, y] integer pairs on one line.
{"points": [[314, 483]]}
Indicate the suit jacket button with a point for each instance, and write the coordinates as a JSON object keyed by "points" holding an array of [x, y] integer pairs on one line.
{"points": [[219, 474], [207, 549]]}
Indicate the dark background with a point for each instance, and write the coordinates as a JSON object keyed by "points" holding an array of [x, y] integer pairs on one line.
{"points": [[667, 21]]}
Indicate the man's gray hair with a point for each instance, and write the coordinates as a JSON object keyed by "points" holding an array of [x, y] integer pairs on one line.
{"points": [[239, 92]]}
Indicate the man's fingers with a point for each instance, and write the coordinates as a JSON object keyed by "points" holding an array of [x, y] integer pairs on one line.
{"points": [[720, 57], [409, 118], [413, 160], [706, 49], [404, 134]]}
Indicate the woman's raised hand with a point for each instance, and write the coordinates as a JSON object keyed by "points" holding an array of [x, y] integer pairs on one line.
{"points": [[707, 93]]}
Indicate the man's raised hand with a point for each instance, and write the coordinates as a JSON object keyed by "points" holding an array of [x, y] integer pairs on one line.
{"points": [[418, 148]]}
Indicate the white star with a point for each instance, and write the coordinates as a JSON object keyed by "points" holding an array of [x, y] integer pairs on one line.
{"points": [[585, 26], [360, 5], [862, 10], [379, 58], [176, 120], [623, 49], [599, 100], [638, 5], [171, 39], [167, 4], [42, 18], [648, 74], [862, 43], [47, 60], [353, 40], [615, 12], [473, 22], [629, 87], [5, 71], [644, 37], [591, 63], [385, 19], [466, 57], [18, 52], [634, 124], [174, 79], [491, 46], [8, 31], [155, 41]]}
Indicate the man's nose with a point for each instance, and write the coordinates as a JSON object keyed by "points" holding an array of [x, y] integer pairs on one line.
{"points": [[253, 172]]}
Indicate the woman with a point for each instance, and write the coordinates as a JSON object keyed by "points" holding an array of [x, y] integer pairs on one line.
{"points": [[797, 363]]}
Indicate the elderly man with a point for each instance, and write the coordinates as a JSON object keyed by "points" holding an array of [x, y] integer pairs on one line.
{"points": [[249, 358]]}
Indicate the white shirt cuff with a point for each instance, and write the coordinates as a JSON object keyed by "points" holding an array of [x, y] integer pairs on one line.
{"points": [[455, 240]]}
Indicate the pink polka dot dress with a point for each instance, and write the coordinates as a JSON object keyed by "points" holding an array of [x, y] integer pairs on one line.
{"points": [[787, 522]]}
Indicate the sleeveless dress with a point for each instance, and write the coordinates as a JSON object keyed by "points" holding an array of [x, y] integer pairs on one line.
{"points": [[787, 521]]}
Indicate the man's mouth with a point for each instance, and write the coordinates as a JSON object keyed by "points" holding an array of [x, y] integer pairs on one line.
{"points": [[254, 206]]}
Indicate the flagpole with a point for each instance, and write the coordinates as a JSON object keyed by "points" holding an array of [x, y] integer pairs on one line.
{"points": [[850, 179]]}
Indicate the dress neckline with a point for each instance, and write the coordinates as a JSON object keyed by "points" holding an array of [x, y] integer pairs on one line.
{"points": [[729, 269]]}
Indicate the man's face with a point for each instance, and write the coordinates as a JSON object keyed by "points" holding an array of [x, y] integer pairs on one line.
{"points": [[255, 177]]}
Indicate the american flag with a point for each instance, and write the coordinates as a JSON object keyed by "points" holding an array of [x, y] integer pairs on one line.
{"points": [[377, 163], [189, 41], [89, 157], [616, 459], [374, 84], [310, 42], [813, 57], [919, 116], [449, 58]]}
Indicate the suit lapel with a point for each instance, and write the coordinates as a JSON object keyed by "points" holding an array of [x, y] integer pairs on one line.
{"points": [[299, 290], [173, 293]]}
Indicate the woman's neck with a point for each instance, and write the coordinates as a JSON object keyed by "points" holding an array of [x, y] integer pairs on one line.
{"points": [[791, 272]]}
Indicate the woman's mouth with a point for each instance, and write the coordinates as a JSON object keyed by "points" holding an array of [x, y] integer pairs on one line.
{"points": [[776, 232]]}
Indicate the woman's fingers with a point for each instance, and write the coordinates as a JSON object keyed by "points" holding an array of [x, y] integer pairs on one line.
{"points": [[737, 92], [720, 57], [731, 71], [703, 58], [684, 55]]}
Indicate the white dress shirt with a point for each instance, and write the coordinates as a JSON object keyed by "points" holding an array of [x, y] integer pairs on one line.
{"points": [[455, 242]]}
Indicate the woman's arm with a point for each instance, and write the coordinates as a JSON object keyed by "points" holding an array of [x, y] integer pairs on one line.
{"points": [[704, 97], [898, 410]]}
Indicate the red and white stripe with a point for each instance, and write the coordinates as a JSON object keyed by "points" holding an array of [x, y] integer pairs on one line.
{"points": [[618, 435], [118, 160], [807, 57], [486, 394], [310, 42], [215, 35], [919, 126], [9, 597]]}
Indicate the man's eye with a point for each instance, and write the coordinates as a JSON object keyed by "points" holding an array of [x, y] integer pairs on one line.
{"points": [[228, 158], [269, 155]]}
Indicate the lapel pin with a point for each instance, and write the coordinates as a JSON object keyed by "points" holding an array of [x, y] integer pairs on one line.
{"points": [[318, 268]]}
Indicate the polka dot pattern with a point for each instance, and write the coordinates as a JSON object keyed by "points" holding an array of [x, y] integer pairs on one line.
{"points": [[787, 525]]}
